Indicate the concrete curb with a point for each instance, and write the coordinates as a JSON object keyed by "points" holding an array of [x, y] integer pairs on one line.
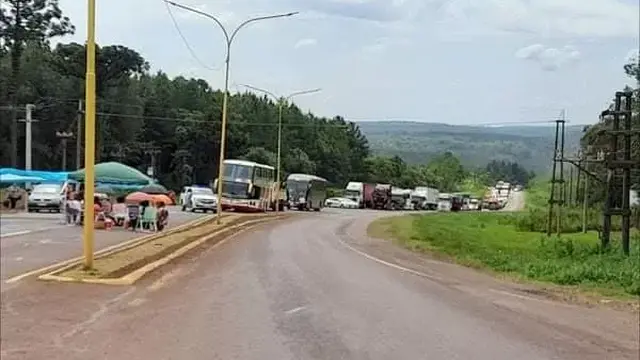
{"points": [[111, 249], [137, 274]]}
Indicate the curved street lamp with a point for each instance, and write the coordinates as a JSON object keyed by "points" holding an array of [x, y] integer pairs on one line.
{"points": [[281, 101], [229, 40]]}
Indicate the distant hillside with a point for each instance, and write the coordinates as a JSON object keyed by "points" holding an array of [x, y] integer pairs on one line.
{"points": [[415, 142]]}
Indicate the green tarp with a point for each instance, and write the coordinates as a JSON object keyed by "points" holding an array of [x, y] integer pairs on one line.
{"points": [[114, 173]]}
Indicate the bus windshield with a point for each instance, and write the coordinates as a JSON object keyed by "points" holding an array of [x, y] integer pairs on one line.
{"points": [[235, 190], [297, 186], [236, 171]]}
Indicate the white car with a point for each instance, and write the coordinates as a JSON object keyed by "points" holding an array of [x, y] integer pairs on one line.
{"points": [[340, 202], [199, 198], [46, 197]]}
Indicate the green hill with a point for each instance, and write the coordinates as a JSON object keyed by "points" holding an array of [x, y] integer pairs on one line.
{"points": [[417, 142]]}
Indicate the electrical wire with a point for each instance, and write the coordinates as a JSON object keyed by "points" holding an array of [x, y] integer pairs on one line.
{"points": [[183, 120], [185, 41]]}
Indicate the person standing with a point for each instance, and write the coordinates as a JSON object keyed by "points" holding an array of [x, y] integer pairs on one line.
{"points": [[14, 193]]}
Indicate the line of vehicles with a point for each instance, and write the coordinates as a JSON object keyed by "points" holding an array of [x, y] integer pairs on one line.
{"points": [[251, 187], [388, 197], [248, 186]]}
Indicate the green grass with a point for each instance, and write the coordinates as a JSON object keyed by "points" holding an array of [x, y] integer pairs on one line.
{"points": [[491, 241], [537, 194], [536, 214]]}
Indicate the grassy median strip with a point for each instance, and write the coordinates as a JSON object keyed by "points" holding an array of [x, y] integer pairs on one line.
{"points": [[121, 263], [492, 241]]}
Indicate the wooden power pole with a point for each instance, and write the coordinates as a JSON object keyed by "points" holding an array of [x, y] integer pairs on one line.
{"points": [[613, 163]]}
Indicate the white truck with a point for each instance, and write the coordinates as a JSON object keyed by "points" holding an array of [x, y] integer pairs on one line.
{"points": [[425, 198], [354, 191]]}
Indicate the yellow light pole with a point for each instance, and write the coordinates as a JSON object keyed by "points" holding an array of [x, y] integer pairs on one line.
{"points": [[281, 102], [229, 41], [90, 136]]}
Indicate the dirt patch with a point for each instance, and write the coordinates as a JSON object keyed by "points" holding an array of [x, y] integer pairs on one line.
{"points": [[121, 263]]}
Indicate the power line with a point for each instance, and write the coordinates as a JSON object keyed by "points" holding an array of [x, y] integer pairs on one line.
{"points": [[182, 120], [184, 39]]}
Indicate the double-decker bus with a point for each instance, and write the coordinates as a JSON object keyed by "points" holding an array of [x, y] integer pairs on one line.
{"points": [[247, 186], [306, 192]]}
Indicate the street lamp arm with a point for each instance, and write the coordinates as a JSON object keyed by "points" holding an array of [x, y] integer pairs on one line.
{"points": [[199, 12], [261, 90], [247, 22], [302, 93]]}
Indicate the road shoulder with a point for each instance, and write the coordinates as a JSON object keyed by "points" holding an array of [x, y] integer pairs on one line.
{"points": [[598, 322]]}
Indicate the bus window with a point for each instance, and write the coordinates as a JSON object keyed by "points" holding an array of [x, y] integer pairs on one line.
{"points": [[235, 171]]}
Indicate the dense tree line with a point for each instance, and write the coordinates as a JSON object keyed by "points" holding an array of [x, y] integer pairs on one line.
{"points": [[178, 118], [511, 172]]}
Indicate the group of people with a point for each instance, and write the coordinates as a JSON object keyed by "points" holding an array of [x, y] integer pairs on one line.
{"points": [[108, 215]]}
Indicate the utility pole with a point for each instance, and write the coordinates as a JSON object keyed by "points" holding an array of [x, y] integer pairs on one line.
{"points": [[562, 184], [79, 119], [614, 163], [64, 136], [557, 183], [570, 195], [28, 120], [151, 150]]}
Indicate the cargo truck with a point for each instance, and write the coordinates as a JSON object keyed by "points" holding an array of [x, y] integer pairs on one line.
{"points": [[425, 198], [382, 197], [360, 192]]}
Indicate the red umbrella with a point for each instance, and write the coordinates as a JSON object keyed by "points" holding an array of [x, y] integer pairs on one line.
{"points": [[137, 197], [162, 198]]}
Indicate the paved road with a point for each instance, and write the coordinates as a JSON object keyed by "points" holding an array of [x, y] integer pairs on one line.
{"points": [[14, 224], [300, 290], [33, 241], [516, 201]]}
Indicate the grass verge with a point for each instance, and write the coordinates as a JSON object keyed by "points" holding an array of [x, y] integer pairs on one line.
{"points": [[491, 241], [121, 263]]}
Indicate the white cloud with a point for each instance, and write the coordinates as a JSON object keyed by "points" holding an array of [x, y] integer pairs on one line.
{"points": [[549, 58], [305, 42], [549, 18]]}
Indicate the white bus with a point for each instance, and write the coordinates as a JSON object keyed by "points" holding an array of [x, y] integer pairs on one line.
{"points": [[247, 186]]}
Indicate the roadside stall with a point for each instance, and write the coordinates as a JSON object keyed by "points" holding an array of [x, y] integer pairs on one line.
{"points": [[108, 176]]}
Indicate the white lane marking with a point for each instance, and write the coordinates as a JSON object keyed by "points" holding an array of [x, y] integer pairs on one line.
{"points": [[19, 258], [295, 310], [45, 241], [137, 302], [431, 277], [25, 232], [17, 233], [391, 265]]}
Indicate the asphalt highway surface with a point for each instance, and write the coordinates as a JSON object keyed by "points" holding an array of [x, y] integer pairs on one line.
{"points": [[31, 241], [314, 287]]}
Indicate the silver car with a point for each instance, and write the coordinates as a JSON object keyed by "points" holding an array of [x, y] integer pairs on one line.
{"points": [[200, 198], [45, 197]]}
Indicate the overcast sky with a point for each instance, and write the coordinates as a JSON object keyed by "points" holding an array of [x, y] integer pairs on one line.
{"points": [[453, 61]]}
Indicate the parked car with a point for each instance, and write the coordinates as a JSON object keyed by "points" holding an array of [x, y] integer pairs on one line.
{"points": [[339, 202], [201, 198], [46, 197]]}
